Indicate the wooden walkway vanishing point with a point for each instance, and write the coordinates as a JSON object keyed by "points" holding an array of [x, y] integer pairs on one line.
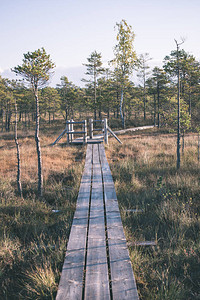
{"points": [[97, 264]]}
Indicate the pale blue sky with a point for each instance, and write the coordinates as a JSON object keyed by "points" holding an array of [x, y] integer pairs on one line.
{"points": [[70, 30]]}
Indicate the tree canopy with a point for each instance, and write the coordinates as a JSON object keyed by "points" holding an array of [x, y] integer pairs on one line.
{"points": [[36, 68]]}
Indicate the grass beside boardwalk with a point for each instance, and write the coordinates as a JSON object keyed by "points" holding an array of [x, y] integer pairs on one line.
{"points": [[34, 233], [145, 175]]}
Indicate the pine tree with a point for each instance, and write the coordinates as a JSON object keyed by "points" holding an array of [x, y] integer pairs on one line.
{"points": [[94, 69], [36, 70]]}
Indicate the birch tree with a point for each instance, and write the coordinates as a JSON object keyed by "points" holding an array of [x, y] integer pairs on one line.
{"points": [[125, 58], [36, 70]]}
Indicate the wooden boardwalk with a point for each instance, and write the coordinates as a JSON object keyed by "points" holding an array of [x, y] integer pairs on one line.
{"points": [[99, 138], [97, 264]]}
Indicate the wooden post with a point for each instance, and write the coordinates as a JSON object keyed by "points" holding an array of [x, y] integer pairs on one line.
{"points": [[110, 130], [91, 128], [85, 132], [71, 129], [68, 129], [105, 131]]}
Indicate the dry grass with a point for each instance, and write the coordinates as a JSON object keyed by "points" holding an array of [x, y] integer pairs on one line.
{"points": [[33, 237], [145, 175]]}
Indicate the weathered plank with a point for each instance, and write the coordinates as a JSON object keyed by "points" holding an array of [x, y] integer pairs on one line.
{"points": [[71, 282], [97, 281], [122, 277]]}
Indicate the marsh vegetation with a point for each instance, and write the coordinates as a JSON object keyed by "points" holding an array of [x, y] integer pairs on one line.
{"points": [[167, 200], [35, 232]]}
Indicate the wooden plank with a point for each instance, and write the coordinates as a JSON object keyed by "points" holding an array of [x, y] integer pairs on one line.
{"points": [[97, 281], [59, 138], [96, 139], [71, 282], [134, 129], [75, 122], [113, 134], [122, 277], [77, 132]]}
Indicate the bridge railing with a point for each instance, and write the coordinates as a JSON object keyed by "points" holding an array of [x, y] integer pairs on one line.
{"points": [[71, 132]]}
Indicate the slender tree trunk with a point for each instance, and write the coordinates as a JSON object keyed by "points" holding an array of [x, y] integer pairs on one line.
{"points": [[154, 114], [19, 184], [178, 117], [25, 119], [190, 102], [100, 117], [129, 111], [144, 102], [158, 96], [38, 148], [2, 121], [121, 108], [66, 113], [117, 108], [198, 146], [108, 113], [29, 121], [183, 142], [9, 120], [6, 121], [95, 95]]}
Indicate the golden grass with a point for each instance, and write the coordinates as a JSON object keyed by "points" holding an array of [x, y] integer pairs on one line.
{"points": [[33, 248], [145, 175], [54, 158]]}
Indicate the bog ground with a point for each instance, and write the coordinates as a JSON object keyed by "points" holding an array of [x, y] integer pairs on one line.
{"points": [[34, 234]]}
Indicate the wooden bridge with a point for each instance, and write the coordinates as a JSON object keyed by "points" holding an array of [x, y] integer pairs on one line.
{"points": [[103, 128], [97, 264]]}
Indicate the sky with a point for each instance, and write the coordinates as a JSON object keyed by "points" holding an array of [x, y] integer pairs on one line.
{"points": [[70, 30]]}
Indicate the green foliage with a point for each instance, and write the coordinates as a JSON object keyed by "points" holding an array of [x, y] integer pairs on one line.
{"points": [[50, 100], [189, 74], [94, 65], [125, 57], [185, 118], [71, 97], [36, 68], [94, 69]]}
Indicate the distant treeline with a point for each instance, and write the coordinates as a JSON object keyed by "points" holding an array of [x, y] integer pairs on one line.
{"points": [[154, 98]]}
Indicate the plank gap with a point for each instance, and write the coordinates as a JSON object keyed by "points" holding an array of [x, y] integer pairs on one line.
{"points": [[88, 224], [106, 233]]}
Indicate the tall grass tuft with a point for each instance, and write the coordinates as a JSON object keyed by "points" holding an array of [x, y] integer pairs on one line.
{"points": [[41, 282]]}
